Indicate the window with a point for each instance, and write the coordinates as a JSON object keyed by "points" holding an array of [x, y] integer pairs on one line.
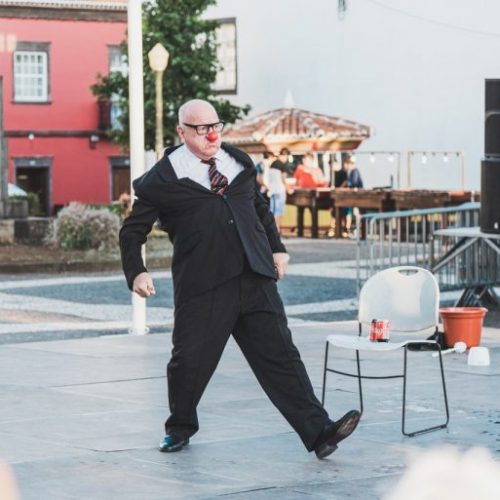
{"points": [[226, 80], [117, 63], [31, 72], [115, 112]]}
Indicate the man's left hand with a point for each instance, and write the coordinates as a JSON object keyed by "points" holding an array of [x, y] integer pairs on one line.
{"points": [[281, 260]]}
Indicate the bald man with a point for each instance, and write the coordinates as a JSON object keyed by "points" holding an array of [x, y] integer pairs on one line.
{"points": [[227, 258]]}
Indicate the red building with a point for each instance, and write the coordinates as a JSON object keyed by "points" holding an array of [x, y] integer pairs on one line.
{"points": [[50, 53]]}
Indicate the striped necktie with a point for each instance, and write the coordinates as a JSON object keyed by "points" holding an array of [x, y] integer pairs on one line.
{"points": [[218, 182]]}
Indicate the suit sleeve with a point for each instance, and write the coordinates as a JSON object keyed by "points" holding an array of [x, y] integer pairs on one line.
{"points": [[267, 219], [133, 235]]}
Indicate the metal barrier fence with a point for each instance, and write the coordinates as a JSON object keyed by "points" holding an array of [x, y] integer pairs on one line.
{"points": [[407, 238]]}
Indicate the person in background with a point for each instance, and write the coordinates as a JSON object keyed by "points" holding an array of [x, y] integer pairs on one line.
{"points": [[354, 181], [263, 172], [277, 187], [259, 167], [308, 174], [339, 176]]}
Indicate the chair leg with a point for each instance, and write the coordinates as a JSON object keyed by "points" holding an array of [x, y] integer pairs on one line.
{"points": [[427, 429], [445, 395], [404, 393], [324, 375], [359, 382]]}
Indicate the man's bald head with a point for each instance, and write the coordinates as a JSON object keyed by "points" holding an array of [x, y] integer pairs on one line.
{"points": [[193, 114], [193, 108]]}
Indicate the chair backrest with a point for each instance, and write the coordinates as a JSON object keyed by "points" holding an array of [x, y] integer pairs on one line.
{"points": [[407, 296]]}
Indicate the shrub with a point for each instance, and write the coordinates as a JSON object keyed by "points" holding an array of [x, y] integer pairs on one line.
{"points": [[81, 227], [120, 207]]}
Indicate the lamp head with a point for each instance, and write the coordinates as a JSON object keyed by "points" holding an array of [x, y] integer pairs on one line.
{"points": [[158, 57]]}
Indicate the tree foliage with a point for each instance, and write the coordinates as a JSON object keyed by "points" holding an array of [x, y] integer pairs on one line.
{"points": [[191, 71]]}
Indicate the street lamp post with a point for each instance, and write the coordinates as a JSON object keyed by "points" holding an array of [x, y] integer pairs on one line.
{"points": [[158, 61]]}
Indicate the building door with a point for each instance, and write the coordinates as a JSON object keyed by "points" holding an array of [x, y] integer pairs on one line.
{"points": [[120, 176], [121, 181], [35, 180]]}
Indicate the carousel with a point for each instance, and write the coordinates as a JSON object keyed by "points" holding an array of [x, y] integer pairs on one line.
{"points": [[298, 130]]}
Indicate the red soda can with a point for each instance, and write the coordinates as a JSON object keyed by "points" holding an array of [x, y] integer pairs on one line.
{"points": [[373, 331], [379, 330], [383, 330]]}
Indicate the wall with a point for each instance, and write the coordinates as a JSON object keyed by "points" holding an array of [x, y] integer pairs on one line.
{"points": [[413, 70]]}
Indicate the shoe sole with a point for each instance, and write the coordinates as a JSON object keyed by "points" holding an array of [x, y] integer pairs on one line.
{"points": [[351, 421], [173, 449]]}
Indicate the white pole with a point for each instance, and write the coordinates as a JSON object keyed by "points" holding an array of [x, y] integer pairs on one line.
{"points": [[136, 121]]}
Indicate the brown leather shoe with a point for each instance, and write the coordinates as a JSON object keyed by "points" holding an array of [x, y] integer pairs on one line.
{"points": [[335, 432]]}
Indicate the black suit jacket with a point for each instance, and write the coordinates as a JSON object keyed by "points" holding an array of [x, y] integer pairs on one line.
{"points": [[211, 234]]}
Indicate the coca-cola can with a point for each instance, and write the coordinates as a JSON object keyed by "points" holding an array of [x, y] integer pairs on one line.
{"points": [[379, 330], [373, 331]]}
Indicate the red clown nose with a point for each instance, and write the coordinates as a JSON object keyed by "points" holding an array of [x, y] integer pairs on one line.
{"points": [[212, 136]]}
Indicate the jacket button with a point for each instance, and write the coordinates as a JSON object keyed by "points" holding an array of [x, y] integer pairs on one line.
{"points": [[230, 221]]}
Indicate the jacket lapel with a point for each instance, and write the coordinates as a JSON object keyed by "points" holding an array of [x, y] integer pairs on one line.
{"points": [[162, 176]]}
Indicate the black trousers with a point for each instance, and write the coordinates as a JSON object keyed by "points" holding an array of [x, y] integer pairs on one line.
{"points": [[250, 308]]}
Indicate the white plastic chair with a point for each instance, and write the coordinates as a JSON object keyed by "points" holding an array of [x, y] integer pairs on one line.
{"points": [[408, 297]]}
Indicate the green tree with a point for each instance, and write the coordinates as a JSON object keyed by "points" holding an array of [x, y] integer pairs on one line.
{"points": [[191, 70]]}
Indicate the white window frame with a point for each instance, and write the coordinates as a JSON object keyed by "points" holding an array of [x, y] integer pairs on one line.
{"points": [[114, 54], [226, 81], [31, 76], [115, 111]]}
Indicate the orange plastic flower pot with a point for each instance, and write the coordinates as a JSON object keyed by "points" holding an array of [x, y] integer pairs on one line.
{"points": [[462, 324]]}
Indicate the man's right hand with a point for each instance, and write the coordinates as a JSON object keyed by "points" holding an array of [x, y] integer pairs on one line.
{"points": [[143, 285]]}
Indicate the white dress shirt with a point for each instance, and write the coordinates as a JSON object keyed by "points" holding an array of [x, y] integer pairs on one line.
{"points": [[186, 164]]}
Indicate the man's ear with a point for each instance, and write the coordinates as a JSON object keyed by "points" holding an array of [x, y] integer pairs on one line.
{"points": [[180, 132]]}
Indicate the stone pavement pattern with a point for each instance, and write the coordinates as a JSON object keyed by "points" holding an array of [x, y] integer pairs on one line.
{"points": [[320, 286], [82, 418]]}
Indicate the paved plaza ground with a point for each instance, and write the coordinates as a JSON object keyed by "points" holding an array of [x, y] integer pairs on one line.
{"points": [[83, 402]]}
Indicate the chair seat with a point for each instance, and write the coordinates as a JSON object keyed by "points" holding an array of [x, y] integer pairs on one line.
{"points": [[365, 344]]}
